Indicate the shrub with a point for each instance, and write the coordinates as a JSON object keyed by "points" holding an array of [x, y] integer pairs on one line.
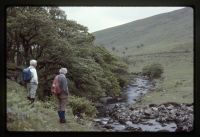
{"points": [[81, 106], [154, 70]]}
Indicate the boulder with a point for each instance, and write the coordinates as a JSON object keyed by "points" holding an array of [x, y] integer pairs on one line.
{"points": [[147, 112]]}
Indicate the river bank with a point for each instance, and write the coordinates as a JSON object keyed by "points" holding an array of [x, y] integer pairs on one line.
{"points": [[122, 115]]}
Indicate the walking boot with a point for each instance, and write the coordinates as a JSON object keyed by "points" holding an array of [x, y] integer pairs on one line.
{"points": [[62, 120], [32, 102]]}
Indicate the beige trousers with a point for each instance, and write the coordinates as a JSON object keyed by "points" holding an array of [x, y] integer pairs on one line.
{"points": [[31, 88]]}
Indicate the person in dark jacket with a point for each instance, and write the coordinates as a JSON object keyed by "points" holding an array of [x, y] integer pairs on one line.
{"points": [[63, 95]]}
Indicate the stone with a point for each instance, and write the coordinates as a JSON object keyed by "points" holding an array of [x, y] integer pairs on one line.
{"points": [[96, 120], [147, 112], [104, 100], [134, 85], [104, 122], [154, 108], [122, 121], [129, 128], [110, 121], [170, 107], [108, 126], [129, 123], [105, 119], [118, 127]]}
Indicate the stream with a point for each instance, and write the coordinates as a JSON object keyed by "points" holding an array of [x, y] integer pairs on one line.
{"points": [[121, 115]]}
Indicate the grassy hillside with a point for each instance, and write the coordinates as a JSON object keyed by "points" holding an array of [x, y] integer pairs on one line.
{"points": [[166, 39], [171, 31], [42, 117]]}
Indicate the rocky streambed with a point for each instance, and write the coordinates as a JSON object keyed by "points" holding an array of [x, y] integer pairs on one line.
{"points": [[121, 114]]}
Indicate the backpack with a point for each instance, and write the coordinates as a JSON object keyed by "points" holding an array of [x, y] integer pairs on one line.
{"points": [[26, 75], [55, 88]]}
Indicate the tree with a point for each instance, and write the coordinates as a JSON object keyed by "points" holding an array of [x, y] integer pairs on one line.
{"points": [[45, 34], [29, 30]]}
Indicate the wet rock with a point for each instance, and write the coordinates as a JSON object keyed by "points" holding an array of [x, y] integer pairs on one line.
{"points": [[129, 123], [122, 121], [154, 108], [170, 107], [108, 126], [163, 124], [141, 93], [133, 84], [173, 111], [184, 127], [131, 108], [135, 120], [104, 100], [171, 117], [119, 99], [129, 128], [118, 127], [146, 123], [141, 87], [97, 120], [104, 122], [162, 119], [110, 121], [105, 119], [147, 112], [161, 108], [190, 109]]}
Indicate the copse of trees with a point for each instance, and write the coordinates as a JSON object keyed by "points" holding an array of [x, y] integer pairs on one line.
{"points": [[45, 34]]}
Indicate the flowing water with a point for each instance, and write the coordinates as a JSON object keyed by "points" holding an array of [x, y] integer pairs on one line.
{"points": [[131, 94], [136, 90]]}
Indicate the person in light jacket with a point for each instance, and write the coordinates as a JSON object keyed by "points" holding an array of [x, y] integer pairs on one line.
{"points": [[63, 96], [33, 84]]}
